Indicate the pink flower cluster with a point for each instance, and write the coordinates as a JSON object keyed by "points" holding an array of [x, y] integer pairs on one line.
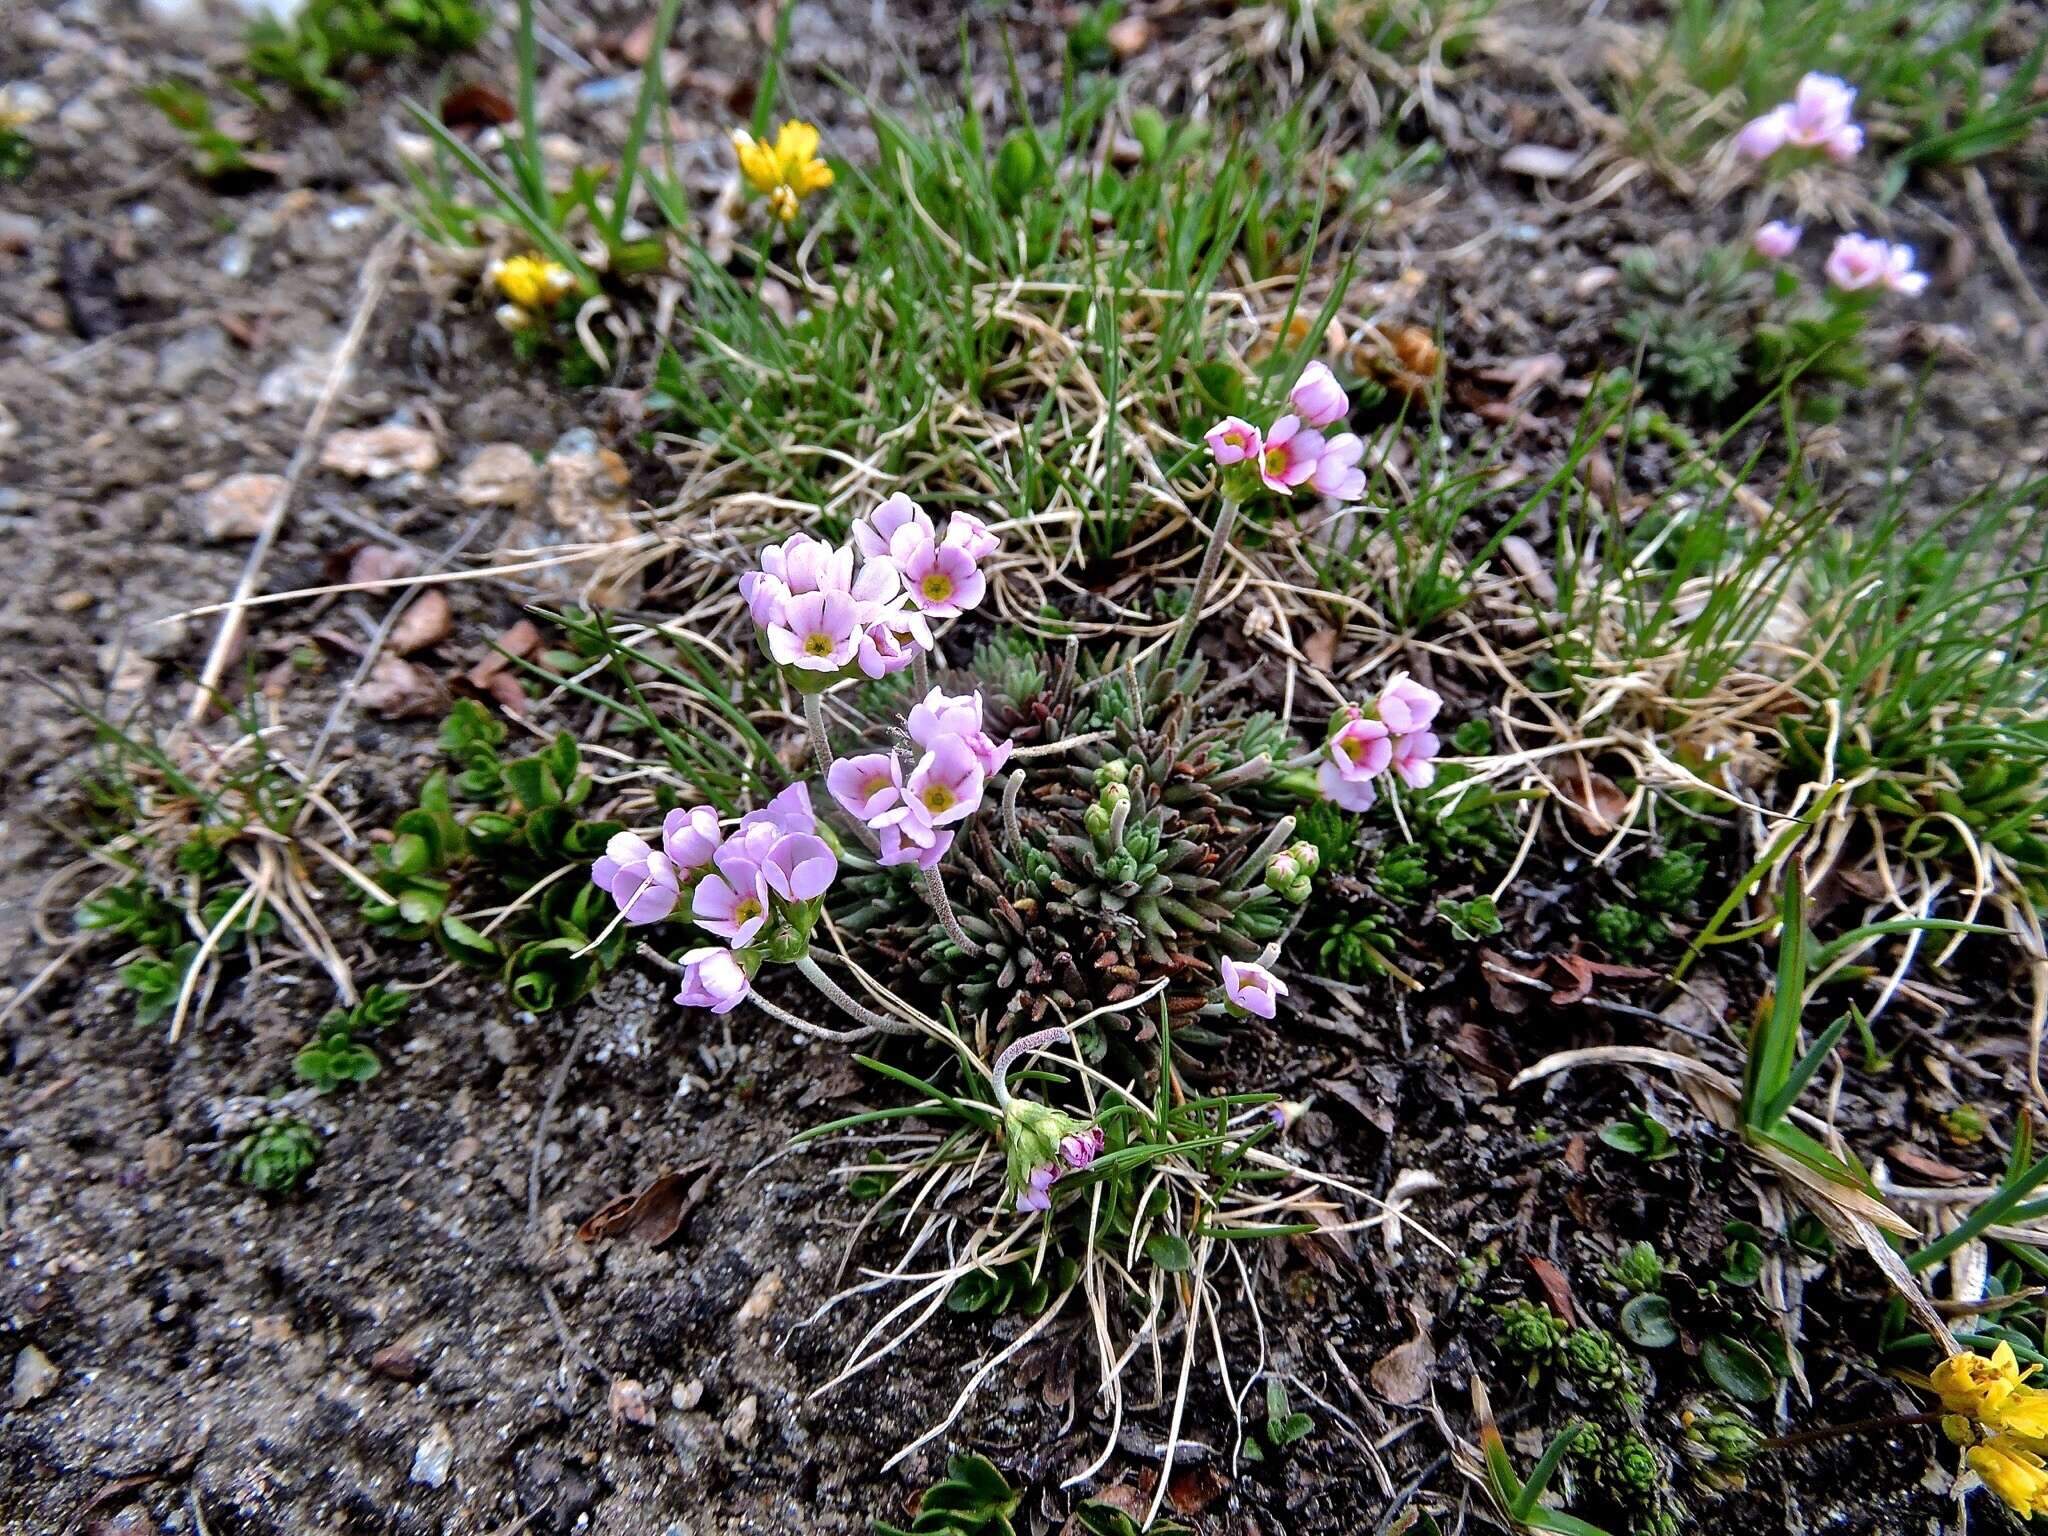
{"points": [[1077, 1152], [1294, 451], [1392, 733], [867, 606], [773, 864], [1816, 118], [913, 816], [1860, 262]]}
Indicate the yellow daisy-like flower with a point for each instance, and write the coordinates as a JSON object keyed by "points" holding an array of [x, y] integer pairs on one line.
{"points": [[532, 282], [2013, 1472], [786, 171], [1971, 1384]]}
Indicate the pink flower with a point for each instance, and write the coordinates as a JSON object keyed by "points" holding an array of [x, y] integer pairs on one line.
{"points": [[867, 785], [942, 714], [1346, 793], [1817, 117], [712, 979], [1360, 748], [1405, 705], [1251, 988], [970, 535], [1036, 1195], [690, 838], [1337, 475], [892, 640], [789, 811], [1081, 1149], [873, 533], [1762, 137], [941, 578], [799, 867], [898, 842], [732, 901], [640, 879], [1233, 440], [816, 631], [1776, 240], [945, 786], [1290, 455], [1317, 397], [1859, 261], [1414, 759]]}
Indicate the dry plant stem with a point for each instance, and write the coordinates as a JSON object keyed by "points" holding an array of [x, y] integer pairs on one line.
{"points": [[942, 908], [1212, 558], [841, 999], [375, 271], [920, 674]]}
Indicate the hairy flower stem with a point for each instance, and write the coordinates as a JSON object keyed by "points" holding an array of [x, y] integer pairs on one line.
{"points": [[935, 894], [999, 1074], [1013, 829], [920, 674], [814, 718], [839, 998], [1212, 557], [804, 1026]]}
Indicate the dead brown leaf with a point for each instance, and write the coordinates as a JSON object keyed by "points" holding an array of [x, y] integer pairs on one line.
{"points": [[1582, 972], [1557, 1290], [1192, 1489], [426, 621], [656, 1212], [1932, 1169], [1595, 801], [476, 106], [376, 562], [1404, 1374], [398, 690], [1321, 648]]}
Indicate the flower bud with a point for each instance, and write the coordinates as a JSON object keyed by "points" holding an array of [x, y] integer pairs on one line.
{"points": [[1286, 878]]}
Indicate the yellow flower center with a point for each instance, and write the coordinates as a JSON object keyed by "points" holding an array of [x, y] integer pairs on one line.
{"points": [[937, 798], [818, 644], [746, 910], [1276, 460], [937, 587]]}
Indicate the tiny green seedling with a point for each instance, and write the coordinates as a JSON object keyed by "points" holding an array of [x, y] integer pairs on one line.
{"points": [[1640, 1134], [972, 1499]]}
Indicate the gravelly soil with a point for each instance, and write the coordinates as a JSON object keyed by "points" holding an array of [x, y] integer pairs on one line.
{"points": [[376, 1354]]}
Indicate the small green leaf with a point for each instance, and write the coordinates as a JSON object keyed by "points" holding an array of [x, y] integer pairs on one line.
{"points": [[1646, 1322], [1737, 1369], [1170, 1253]]}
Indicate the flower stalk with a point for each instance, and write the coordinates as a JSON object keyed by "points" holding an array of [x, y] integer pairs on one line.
{"points": [[1212, 559], [846, 1003]]}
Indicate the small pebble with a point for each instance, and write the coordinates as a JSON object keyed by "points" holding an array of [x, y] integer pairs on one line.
{"points": [[35, 1377], [434, 1458]]}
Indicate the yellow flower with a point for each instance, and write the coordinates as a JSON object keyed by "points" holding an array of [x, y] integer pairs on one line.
{"points": [[785, 172], [1971, 1384], [531, 282], [2014, 1473]]}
